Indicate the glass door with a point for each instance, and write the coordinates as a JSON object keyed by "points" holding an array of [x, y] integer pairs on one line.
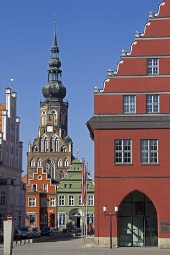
{"points": [[138, 231]]}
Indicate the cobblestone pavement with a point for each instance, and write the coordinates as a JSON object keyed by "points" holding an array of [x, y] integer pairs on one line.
{"points": [[74, 246]]}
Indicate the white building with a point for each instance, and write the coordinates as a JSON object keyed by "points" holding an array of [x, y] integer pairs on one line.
{"points": [[12, 190]]}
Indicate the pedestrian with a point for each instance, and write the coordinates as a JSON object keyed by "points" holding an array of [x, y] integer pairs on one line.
{"points": [[90, 229]]}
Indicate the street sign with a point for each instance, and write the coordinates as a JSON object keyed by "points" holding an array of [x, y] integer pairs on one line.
{"points": [[9, 217]]}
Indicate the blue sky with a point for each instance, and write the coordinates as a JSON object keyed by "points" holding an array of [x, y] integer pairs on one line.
{"points": [[90, 36]]}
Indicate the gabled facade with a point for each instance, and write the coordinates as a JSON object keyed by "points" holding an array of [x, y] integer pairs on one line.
{"points": [[40, 200], [131, 132], [12, 190], [69, 198]]}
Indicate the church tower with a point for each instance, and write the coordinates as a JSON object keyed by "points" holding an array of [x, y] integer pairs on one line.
{"points": [[52, 148]]}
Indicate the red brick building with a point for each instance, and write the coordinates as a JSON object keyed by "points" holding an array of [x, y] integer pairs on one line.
{"points": [[131, 132], [40, 200]]}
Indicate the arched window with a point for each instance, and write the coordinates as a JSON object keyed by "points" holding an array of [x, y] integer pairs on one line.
{"points": [[2, 198], [43, 117], [43, 143], [39, 162], [49, 168], [32, 162], [55, 117], [63, 117], [60, 163], [54, 143], [64, 149], [61, 174], [66, 162]]}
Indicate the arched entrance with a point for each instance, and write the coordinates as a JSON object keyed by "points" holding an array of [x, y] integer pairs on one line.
{"points": [[74, 217], [138, 221]]}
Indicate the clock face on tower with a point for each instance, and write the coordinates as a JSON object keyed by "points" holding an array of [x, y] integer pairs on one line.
{"points": [[49, 128]]}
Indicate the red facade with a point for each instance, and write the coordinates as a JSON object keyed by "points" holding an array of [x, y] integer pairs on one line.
{"points": [[40, 200], [131, 132]]}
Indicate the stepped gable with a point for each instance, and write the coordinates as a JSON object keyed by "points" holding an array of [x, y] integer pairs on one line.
{"points": [[133, 64]]}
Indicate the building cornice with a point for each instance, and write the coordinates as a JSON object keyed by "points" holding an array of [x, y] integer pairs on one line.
{"points": [[103, 122]]}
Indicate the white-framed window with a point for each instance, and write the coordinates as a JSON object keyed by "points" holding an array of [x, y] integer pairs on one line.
{"points": [[39, 162], [59, 163], [45, 187], [31, 201], [3, 197], [61, 200], [54, 143], [71, 200], [153, 66], [65, 162], [90, 200], [32, 163], [62, 219], [80, 200], [52, 201], [129, 103], [152, 103], [149, 151], [43, 201], [123, 151]]}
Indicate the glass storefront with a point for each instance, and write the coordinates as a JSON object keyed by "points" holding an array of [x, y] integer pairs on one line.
{"points": [[138, 221]]}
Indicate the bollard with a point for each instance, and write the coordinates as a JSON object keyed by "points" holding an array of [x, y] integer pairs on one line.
{"points": [[8, 237]]}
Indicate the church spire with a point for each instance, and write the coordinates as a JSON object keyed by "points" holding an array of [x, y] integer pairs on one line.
{"points": [[55, 36], [54, 90]]}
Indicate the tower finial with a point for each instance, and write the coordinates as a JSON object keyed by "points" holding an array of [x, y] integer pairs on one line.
{"points": [[55, 37], [11, 81]]}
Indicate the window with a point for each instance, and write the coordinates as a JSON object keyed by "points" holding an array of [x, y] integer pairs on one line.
{"points": [[49, 167], [34, 187], [129, 104], [152, 103], [90, 200], [149, 151], [52, 201], [70, 185], [2, 218], [43, 201], [62, 219], [80, 200], [61, 200], [71, 200], [123, 151], [31, 201], [44, 218], [32, 218], [61, 174], [3, 197], [32, 163], [45, 187], [153, 66], [39, 162]]}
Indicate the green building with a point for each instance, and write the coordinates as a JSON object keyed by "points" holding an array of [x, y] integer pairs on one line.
{"points": [[69, 197]]}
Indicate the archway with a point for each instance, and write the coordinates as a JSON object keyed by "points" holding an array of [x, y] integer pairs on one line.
{"points": [[138, 221]]}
